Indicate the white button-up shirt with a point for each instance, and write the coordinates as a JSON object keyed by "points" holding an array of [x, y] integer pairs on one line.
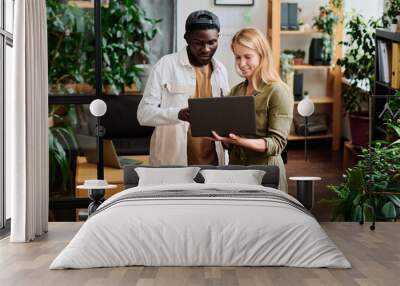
{"points": [[171, 83]]}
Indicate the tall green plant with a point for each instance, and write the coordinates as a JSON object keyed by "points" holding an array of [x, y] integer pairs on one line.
{"points": [[69, 41], [126, 32], [61, 142], [358, 60]]}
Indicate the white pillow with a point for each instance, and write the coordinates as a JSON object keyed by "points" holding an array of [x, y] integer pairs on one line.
{"points": [[165, 176], [248, 177]]}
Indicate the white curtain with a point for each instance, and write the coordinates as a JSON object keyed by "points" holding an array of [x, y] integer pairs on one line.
{"points": [[26, 124]]}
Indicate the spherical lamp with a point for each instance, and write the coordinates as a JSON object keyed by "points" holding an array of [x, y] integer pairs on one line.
{"points": [[98, 107]]}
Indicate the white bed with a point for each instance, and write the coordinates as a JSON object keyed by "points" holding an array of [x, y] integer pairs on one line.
{"points": [[201, 224]]}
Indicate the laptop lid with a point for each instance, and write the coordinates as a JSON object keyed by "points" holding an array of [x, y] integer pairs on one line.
{"points": [[88, 146], [224, 115]]}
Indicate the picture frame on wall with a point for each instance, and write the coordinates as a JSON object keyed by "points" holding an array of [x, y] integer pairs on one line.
{"points": [[234, 2]]}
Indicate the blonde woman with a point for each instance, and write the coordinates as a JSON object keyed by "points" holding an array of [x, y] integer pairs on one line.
{"points": [[274, 104]]}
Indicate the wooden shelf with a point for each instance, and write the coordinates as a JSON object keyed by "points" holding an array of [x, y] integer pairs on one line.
{"points": [[87, 4], [82, 4], [298, 32], [319, 99], [294, 137], [385, 34], [310, 67], [332, 93]]}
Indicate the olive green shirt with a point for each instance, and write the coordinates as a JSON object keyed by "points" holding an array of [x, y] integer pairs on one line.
{"points": [[274, 114]]}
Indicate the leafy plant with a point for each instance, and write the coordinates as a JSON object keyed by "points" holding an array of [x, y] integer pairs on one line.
{"points": [[326, 22], [69, 41], [359, 193], [126, 30], [358, 61], [297, 54], [286, 66], [61, 142], [392, 121], [392, 11]]}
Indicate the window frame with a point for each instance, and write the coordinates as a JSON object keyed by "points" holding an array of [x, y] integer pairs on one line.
{"points": [[6, 39]]}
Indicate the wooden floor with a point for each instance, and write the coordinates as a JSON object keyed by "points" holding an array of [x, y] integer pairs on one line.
{"points": [[374, 255], [322, 162]]}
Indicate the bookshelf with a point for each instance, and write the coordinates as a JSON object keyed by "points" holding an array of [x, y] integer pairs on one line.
{"points": [[384, 90], [332, 100]]}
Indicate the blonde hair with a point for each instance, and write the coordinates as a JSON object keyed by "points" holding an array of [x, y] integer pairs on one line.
{"points": [[254, 39]]}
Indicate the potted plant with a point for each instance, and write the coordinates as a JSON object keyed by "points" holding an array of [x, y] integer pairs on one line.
{"points": [[374, 183], [126, 32], [298, 56], [326, 22], [69, 31], [393, 25], [354, 202], [391, 15], [358, 69]]}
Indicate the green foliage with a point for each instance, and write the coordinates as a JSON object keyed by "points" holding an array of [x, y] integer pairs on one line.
{"points": [[125, 32], [69, 41], [392, 11], [393, 124], [358, 61], [286, 65], [378, 173], [297, 54], [337, 3], [326, 22], [61, 142]]}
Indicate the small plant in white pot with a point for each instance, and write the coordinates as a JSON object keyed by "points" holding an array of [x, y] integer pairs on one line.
{"points": [[391, 15], [394, 25]]}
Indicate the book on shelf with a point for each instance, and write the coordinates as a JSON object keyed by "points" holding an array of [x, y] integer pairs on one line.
{"points": [[395, 82], [383, 62]]}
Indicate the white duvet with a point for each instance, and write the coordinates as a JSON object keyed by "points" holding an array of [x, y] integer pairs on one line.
{"points": [[183, 231]]}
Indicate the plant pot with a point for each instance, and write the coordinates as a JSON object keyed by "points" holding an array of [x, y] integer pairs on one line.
{"points": [[393, 27], [84, 88], [298, 61], [359, 129], [130, 89]]}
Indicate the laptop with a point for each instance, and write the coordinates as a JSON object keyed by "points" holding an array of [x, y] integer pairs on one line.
{"points": [[88, 145], [224, 115]]}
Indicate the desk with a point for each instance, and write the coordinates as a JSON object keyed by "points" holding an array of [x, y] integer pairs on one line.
{"points": [[85, 171]]}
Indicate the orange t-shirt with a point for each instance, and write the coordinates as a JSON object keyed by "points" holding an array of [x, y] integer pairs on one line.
{"points": [[201, 151]]}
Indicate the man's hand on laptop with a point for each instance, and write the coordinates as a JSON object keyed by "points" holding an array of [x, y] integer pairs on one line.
{"points": [[184, 114]]}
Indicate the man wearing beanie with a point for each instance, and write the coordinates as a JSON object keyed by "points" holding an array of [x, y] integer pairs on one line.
{"points": [[191, 72]]}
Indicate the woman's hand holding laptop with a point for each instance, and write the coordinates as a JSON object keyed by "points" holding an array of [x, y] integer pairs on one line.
{"points": [[254, 144]]}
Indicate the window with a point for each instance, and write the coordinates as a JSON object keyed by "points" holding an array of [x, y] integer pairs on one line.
{"points": [[74, 69]]}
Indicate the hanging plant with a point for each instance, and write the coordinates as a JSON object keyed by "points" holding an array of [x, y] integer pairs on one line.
{"points": [[326, 22], [286, 66]]}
